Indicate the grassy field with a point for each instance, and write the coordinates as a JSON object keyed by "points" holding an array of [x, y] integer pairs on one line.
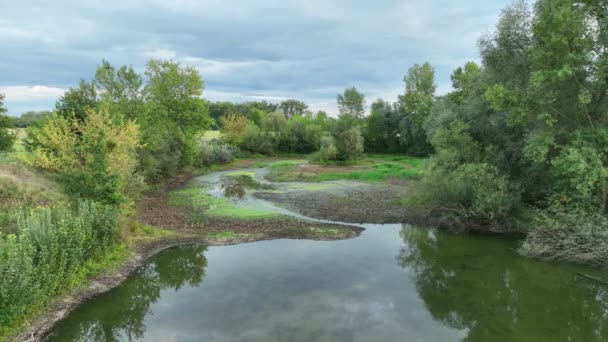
{"points": [[372, 168]]}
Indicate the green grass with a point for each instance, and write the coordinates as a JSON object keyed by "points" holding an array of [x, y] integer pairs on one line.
{"points": [[241, 173], [377, 173], [197, 198], [260, 164], [242, 213], [287, 163], [210, 135]]}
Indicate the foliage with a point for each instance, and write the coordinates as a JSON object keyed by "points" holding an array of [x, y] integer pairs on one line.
{"points": [[174, 117], [96, 158], [569, 236], [351, 103], [275, 122], [233, 128], [415, 106], [349, 144], [302, 135], [471, 192], [31, 118], [48, 254], [328, 150], [257, 141], [214, 152], [7, 138], [292, 108], [75, 102]]}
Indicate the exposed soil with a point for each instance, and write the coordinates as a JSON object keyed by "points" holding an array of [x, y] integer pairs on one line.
{"points": [[369, 204], [282, 227]]}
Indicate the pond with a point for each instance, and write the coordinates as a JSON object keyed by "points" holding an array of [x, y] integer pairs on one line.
{"points": [[394, 282]]}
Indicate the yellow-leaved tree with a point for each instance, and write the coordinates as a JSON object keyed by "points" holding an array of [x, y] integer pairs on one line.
{"points": [[95, 158]]}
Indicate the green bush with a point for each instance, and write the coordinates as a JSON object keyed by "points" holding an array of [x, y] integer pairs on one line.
{"points": [[47, 254], [569, 236], [7, 139], [328, 149], [257, 141], [349, 144], [472, 191], [214, 152]]}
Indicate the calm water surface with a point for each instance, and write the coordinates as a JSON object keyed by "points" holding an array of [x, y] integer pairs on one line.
{"points": [[393, 283]]}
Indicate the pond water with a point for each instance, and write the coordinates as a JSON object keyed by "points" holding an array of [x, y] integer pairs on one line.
{"points": [[392, 283]]}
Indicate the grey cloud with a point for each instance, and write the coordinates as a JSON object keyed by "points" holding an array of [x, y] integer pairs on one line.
{"points": [[250, 49]]}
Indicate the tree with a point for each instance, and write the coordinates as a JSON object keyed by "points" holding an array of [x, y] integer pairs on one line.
{"points": [[275, 122], [77, 101], [99, 163], [234, 127], [175, 115], [31, 118], [351, 103], [293, 107], [7, 138], [120, 90], [415, 106]]}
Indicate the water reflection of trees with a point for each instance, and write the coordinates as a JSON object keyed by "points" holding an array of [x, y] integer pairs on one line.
{"points": [[477, 284], [120, 314]]}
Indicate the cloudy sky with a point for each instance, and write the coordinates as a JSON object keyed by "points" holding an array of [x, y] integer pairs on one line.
{"points": [[245, 49]]}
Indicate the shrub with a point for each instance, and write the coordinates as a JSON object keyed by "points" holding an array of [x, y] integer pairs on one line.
{"points": [[214, 152], [7, 139], [257, 141], [48, 253], [233, 128], [472, 191], [349, 144], [569, 236], [328, 149]]}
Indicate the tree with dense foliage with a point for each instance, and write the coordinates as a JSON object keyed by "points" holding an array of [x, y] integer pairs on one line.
{"points": [[98, 163], [293, 107], [415, 106], [76, 101], [529, 127], [233, 127], [175, 116], [120, 90], [7, 138]]}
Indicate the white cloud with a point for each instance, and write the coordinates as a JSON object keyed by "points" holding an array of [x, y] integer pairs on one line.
{"points": [[31, 93]]}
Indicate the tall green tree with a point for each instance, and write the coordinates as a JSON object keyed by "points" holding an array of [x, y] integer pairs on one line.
{"points": [[120, 90], [351, 103], [415, 106], [175, 116]]}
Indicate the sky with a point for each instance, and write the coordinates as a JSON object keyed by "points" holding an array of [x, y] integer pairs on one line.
{"points": [[245, 50]]}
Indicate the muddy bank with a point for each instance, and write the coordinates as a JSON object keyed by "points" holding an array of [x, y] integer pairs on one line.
{"points": [[381, 204], [281, 227], [369, 204]]}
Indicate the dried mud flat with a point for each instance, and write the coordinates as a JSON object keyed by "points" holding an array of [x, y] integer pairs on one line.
{"points": [[357, 204]]}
